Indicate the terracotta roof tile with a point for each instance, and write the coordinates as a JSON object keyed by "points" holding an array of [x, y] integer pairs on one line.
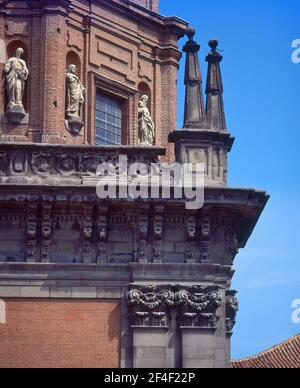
{"points": [[283, 356]]}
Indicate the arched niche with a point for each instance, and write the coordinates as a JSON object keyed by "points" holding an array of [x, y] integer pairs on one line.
{"points": [[11, 50], [73, 59], [144, 89]]}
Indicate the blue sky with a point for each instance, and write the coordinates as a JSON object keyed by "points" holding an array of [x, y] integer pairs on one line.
{"points": [[262, 102]]}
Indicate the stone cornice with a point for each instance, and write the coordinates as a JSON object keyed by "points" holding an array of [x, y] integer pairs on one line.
{"points": [[202, 135]]}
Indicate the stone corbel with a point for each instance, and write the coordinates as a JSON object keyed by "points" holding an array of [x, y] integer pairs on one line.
{"points": [[102, 234], [87, 232], [31, 230], [47, 227], [3, 164], [199, 306], [191, 228], [158, 224], [232, 308], [205, 239], [143, 228]]}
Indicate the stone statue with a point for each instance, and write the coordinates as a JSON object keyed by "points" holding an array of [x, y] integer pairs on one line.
{"points": [[16, 74], [75, 92], [146, 124], [75, 99]]}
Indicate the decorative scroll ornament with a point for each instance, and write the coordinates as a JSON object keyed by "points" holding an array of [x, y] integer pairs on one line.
{"points": [[232, 308], [199, 306], [149, 306]]}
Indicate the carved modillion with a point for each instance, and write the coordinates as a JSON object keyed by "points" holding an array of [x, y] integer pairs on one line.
{"points": [[232, 308], [102, 234], [87, 232], [31, 231], [158, 224], [191, 229], [46, 229], [206, 226]]}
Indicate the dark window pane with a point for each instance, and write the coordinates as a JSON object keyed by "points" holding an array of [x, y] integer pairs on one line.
{"points": [[108, 120]]}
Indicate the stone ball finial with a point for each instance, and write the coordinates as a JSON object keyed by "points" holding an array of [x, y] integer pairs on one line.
{"points": [[190, 32], [213, 44]]}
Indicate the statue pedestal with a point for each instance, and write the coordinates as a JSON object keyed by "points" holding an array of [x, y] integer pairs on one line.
{"points": [[74, 125], [14, 126], [16, 115]]}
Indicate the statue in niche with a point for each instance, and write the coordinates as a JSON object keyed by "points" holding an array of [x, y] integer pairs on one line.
{"points": [[75, 99], [16, 74], [146, 124], [76, 92]]}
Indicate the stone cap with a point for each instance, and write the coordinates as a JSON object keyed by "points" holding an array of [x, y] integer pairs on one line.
{"points": [[202, 135]]}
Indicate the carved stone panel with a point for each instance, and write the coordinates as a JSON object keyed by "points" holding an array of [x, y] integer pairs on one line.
{"points": [[149, 306]]}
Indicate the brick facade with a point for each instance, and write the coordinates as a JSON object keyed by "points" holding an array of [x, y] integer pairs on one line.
{"points": [[60, 333], [119, 49]]}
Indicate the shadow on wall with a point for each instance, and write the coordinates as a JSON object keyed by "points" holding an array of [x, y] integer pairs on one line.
{"points": [[114, 323]]}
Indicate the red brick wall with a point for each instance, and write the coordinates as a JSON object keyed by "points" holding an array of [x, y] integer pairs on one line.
{"points": [[60, 333], [107, 60]]}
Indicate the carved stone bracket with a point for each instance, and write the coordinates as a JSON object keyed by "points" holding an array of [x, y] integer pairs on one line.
{"points": [[191, 227], [199, 306], [47, 227], [88, 227], [143, 227], [206, 225], [102, 234], [158, 224], [232, 308], [149, 306], [31, 230]]}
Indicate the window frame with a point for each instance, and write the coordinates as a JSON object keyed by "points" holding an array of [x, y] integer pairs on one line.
{"points": [[126, 95], [123, 117]]}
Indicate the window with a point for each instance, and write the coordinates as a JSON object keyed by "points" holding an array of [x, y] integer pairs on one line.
{"points": [[108, 120]]}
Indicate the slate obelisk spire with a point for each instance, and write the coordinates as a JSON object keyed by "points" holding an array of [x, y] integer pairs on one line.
{"points": [[214, 89], [194, 116]]}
